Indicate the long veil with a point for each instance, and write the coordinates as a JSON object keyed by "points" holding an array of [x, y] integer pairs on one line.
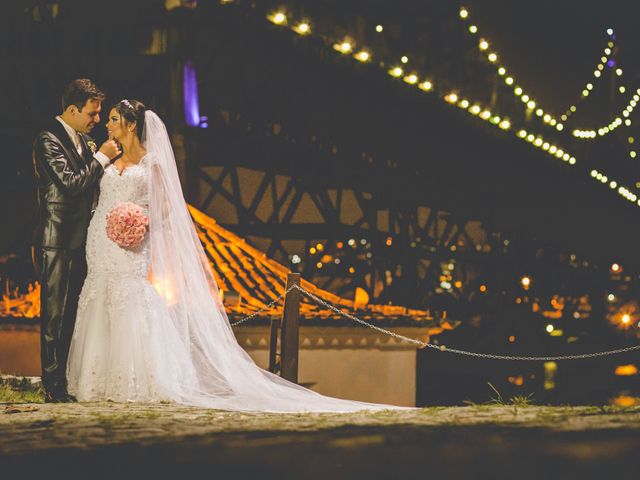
{"points": [[226, 377]]}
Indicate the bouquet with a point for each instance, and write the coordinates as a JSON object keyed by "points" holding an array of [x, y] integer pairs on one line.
{"points": [[127, 225]]}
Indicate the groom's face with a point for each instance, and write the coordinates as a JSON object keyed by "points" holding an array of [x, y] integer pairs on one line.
{"points": [[87, 118]]}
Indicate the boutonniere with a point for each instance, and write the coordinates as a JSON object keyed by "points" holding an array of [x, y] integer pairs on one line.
{"points": [[92, 146]]}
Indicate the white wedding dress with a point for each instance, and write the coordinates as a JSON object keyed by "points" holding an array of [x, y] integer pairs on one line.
{"points": [[134, 342]]}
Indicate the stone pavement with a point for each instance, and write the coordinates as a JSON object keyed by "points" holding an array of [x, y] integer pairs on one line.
{"points": [[109, 440]]}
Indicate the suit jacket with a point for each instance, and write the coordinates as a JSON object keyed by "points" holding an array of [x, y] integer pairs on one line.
{"points": [[67, 188]]}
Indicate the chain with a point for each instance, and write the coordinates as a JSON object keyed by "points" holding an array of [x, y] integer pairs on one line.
{"points": [[266, 307], [443, 348]]}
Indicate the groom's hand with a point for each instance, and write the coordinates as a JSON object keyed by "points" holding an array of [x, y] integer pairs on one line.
{"points": [[111, 149]]}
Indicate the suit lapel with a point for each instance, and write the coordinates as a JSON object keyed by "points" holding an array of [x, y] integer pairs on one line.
{"points": [[58, 130]]}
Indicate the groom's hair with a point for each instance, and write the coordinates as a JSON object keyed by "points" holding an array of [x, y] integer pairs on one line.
{"points": [[79, 91]]}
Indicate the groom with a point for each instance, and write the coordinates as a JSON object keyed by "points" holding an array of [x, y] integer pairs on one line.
{"points": [[67, 169]]}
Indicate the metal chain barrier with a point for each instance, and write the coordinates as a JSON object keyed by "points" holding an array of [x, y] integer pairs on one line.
{"points": [[443, 348], [265, 308]]}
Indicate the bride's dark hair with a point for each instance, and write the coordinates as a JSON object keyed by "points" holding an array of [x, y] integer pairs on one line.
{"points": [[132, 111]]}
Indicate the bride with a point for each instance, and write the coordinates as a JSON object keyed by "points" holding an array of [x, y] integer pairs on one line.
{"points": [[151, 326]]}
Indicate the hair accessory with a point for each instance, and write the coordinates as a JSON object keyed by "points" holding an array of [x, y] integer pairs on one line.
{"points": [[126, 102]]}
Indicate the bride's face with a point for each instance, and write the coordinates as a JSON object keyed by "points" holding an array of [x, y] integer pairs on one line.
{"points": [[117, 126]]}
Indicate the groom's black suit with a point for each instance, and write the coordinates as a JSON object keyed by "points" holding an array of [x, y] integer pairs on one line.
{"points": [[67, 193]]}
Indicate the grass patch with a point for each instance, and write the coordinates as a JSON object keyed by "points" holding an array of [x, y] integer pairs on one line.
{"points": [[20, 390]]}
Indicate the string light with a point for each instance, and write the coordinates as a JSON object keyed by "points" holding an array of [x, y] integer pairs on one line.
{"points": [[597, 73], [279, 18], [302, 28], [606, 129], [343, 47], [509, 80], [473, 108], [363, 56]]}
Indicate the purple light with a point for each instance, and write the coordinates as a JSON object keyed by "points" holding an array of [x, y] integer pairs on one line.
{"points": [[190, 90], [611, 63]]}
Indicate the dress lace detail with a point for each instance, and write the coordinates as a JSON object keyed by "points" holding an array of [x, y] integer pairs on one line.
{"points": [[124, 346]]}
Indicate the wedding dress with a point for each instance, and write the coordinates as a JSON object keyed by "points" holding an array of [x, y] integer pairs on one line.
{"points": [[150, 325]]}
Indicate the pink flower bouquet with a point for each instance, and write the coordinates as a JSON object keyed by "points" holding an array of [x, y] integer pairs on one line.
{"points": [[127, 225]]}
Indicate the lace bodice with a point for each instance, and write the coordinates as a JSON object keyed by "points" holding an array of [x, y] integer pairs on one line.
{"points": [[103, 255]]}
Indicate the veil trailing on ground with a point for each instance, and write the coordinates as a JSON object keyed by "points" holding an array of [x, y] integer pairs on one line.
{"points": [[226, 377]]}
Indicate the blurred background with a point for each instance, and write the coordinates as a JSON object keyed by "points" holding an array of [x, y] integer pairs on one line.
{"points": [[476, 160]]}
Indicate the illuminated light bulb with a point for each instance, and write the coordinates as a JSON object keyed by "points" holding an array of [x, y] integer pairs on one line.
{"points": [[302, 28], [279, 18], [631, 139], [553, 122], [604, 179], [427, 86], [525, 98], [566, 157], [344, 47], [609, 31], [613, 184], [508, 80], [563, 117], [473, 29], [396, 72], [464, 13], [626, 319], [559, 153], [502, 71], [526, 282], [589, 86], [404, 59], [625, 113], [622, 89], [517, 91], [607, 51], [363, 56], [546, 118], [539, 112], [594, 173], [610, 44], [597, 74], [485, 115], [550, 328], [627, 122], [619, 72], [464, 103], [475, 110], [451, 98], [572, 108], [585, 93], [492, 57], [559, 127], [522, 133], [632, 154], [483, 45], [538, 142], [603, 59], [505, 125], [553, 149], [530, 137], [411, 79], [379, 28], [545, 146]]}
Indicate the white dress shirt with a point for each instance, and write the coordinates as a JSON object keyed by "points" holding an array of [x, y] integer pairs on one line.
{"points": [[75, 138]]}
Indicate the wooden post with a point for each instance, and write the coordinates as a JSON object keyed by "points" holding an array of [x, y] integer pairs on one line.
{"points": [[289, 339], [274, 355]]}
